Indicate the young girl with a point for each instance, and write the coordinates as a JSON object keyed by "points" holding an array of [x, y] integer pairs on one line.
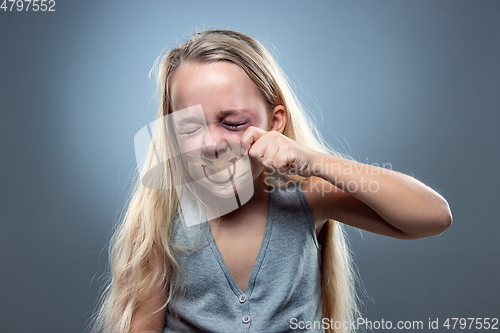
{"points": [[276, 260]]}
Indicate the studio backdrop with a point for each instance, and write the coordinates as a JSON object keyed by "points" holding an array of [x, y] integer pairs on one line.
{"points": [[407, 85]]}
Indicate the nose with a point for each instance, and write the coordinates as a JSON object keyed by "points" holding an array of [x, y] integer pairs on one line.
{"points": [[214, 145]]}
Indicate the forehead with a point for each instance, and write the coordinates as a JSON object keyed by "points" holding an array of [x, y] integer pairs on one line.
{"points": [[215, 86]]}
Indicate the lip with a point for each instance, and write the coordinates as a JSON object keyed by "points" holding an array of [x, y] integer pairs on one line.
{"points": [[233, 160]]}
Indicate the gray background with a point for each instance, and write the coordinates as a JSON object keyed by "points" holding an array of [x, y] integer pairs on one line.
{"points": [[411, 83]]}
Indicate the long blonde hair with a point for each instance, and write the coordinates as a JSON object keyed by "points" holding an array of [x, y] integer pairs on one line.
{"points": [[142, 253]]}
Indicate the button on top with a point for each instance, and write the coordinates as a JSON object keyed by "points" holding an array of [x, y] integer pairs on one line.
{"points": [[246, 319], [243, 298]]}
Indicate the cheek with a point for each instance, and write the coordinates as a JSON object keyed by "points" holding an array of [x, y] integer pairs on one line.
{"points": [[192, 142], [190, 146], [263, 121], [236, 137]]}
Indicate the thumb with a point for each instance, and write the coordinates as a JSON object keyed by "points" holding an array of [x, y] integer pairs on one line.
{"points": [[251, 135]]}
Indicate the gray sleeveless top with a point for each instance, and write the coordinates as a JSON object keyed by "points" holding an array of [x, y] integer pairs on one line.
{"points": [[284, 287]]}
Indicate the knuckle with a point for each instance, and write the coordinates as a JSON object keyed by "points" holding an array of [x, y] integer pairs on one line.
{"points": [[252, 153]]}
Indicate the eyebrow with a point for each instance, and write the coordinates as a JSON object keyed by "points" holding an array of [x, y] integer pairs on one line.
{"points": [[226, 113]]}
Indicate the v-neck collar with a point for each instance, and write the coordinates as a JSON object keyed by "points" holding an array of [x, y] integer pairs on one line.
{"points": [[260, 256]]}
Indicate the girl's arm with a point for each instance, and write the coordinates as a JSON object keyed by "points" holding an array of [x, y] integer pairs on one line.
{"points": [[376, 199], [147, 318], [364, 196]]}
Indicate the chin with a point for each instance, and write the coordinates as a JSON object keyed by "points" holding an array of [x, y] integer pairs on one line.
{"points": [[223, 193]]}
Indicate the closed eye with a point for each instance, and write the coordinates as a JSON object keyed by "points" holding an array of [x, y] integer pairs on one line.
{"points": [[190, 131], [233, 126]]}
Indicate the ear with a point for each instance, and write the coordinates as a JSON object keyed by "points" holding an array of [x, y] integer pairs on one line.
{"points": [[278, 119]]}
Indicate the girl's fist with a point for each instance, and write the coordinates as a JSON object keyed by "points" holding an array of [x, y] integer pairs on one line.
{"points": [[278, 152]]}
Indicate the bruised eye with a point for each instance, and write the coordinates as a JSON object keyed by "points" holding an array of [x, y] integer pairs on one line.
{"points": [[233, 126]]}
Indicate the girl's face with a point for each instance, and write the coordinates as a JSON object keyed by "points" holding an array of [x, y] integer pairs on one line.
{"points": [[230, 103]]}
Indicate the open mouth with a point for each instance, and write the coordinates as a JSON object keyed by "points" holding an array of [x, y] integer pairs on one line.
{"points": [[233, 160]]}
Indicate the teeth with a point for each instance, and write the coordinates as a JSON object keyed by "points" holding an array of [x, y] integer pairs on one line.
{"points": [[223, 175], [234, 174]]}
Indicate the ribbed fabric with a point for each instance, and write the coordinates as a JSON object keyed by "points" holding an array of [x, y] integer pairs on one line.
{"points": [[284, 286]]}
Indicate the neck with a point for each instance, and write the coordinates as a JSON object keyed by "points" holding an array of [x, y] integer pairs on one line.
{"points": [[259, 198]]}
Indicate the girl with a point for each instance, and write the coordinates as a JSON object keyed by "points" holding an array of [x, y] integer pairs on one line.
{"points": [[278, 260]]}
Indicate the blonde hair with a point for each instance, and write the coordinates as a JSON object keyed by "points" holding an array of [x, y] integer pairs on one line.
{"points": [[142, 253]]}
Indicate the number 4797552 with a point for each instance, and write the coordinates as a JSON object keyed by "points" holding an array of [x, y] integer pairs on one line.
{"points": [[471, 323], [27, 5]]}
